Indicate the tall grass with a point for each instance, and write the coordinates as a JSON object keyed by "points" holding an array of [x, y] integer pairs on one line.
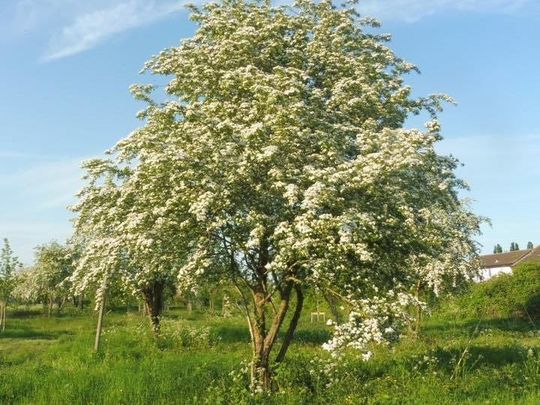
{"points": [[201, 360]]}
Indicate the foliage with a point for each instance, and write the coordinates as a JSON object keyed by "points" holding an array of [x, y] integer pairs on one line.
{"points": [[124, 243], [279, 162], [48, 280], [9, 264]]}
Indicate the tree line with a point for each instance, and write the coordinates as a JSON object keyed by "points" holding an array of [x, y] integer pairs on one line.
{"points": [[514, 246]]}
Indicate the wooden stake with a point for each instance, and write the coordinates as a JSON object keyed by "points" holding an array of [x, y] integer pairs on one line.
{"points": [[2, 321], [100, 315]]}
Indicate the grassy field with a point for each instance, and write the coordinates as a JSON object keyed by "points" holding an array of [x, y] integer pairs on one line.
{"points": [[200, 359]]}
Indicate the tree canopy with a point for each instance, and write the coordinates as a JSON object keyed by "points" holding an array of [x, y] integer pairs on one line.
{"points": [[278, 162], [9, 264]]}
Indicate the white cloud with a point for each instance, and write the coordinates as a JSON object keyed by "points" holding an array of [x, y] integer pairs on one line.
{"points": [[414, 10], [74, 26], [90, 29], [20, 17]]}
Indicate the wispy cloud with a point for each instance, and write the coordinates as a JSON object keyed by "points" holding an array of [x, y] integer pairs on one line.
{"points": [[90, 29], [414, 10], [42, 185], [34, 200], [73, 26]]}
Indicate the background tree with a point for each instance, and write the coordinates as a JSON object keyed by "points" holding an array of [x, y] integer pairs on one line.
{"points": [[514, 246], [452, 270], [497, 249], [27, 290], [530, 245], [49, 278], [281, 154], [125, 242], [9, 264]]}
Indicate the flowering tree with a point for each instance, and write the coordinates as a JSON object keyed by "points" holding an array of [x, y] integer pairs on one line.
{"points": [[27, 289], [125, 236], [9, 264], [49, 277], [279, 162], [452, 269]]}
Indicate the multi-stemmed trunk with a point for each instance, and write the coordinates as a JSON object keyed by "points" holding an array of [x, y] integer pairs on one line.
{"points": [[264, 339], [265, 314], [153, 297]]}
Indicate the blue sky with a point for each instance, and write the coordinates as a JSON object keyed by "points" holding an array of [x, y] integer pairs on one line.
{"points": [[66, 66]]}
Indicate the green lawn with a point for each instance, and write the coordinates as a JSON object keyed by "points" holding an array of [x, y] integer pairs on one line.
{"points": [[200, 359]]}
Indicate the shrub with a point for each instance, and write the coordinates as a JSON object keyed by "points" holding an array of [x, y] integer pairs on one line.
{"points": [[515, 295]]}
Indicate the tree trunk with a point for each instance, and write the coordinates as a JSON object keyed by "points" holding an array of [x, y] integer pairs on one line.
{"points": [[153, 296], [261, 377], [418, 320], [60, 303], [50, 307], [418, 311], [333, 305], [263, 340], [293, 325], [211, 302], [2, 317]]}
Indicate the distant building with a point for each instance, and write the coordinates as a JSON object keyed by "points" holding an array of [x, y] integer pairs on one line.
{"points": [[499, 263]]}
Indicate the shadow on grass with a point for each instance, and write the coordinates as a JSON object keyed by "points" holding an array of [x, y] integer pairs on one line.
{"points": [[469, 326], [233, 333], [237, 333], [24, 332], [480, 356], [312, 336], [32, 313]]}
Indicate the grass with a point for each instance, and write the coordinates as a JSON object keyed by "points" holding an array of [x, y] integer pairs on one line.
{"points": [[200, 358]]}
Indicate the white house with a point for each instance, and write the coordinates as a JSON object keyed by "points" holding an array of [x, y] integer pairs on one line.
{"points": [[498, 263]]}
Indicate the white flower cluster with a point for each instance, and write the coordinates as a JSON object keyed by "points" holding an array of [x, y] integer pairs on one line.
{"points": [[279, 158], [374, 321]]}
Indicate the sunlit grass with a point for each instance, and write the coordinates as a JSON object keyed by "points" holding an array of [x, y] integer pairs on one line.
{"points": [[200, 356]]}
